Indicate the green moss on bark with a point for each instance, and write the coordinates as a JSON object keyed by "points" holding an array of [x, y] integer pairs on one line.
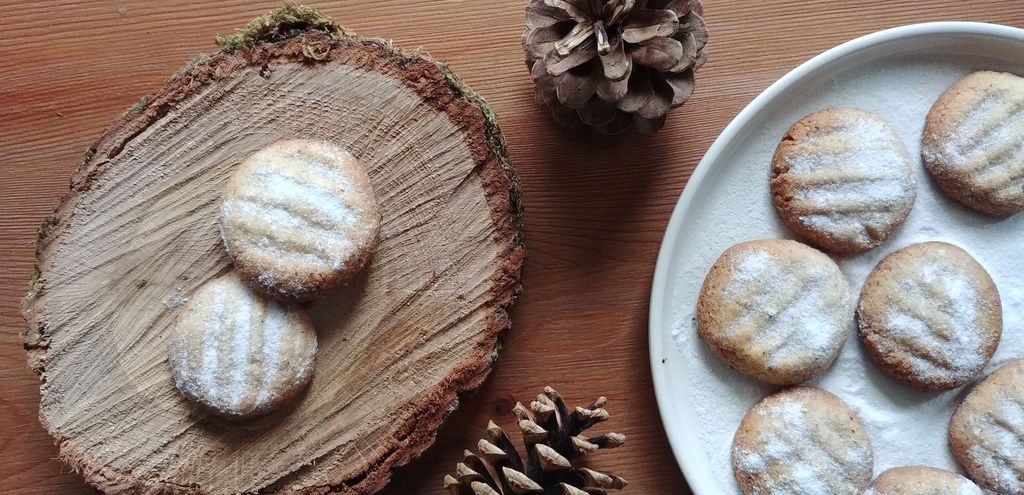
{"points": [[191, 65], [33, 278], [276, 25], [139, 105], [89, 153], [495, 140]]}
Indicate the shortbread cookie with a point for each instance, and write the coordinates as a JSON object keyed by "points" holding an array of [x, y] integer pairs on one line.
{"points": [[776, 310], [930, 316], [973, 142], [299, 218], [921, 480], [987, 431], [801, 441], [843, 179], [239, 353]]}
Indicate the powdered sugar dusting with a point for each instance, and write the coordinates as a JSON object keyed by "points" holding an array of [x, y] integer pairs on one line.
{"points": [[797, 326], [984, 150], [274, 186], [312, 168], [238, 352], [210, 360], [857, 196], [1001, 432], [997, 466], [273, 330], [986, 126], [966, 487], [708, 399], [290, 236], [932, 319], [795, 455], [857, 189], [297, 208], [242, 334], [751, 266], [177, 300], [922, 480]]}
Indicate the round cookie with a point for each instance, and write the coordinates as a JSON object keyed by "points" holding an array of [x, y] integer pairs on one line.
{"points": [[987, 431], [801, 441], [842, 179], [930, 316], [921, 480], [776, 310], [238, 353], [973, 142], [299, 218]]}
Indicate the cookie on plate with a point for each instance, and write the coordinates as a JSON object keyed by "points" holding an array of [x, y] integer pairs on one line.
{"points": [[842, 179], [801, 441], [237, 352], [973, 142], [776, 310], [930, 316], [921, 480], [299, 218], [987, 431]]}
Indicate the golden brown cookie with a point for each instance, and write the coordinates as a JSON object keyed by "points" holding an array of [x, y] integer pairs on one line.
{"points": [[987, 431], [842, 179], [921, 480], [973, 142], [299, 218], [237, 352], [802, 441], [776, 310], [930, 316]]}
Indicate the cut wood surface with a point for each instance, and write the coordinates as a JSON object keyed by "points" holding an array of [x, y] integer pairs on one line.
{"points": [[596, 208], [138, 233]]}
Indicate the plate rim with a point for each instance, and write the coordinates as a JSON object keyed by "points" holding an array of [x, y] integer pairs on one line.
{"points": [[676, 436]]}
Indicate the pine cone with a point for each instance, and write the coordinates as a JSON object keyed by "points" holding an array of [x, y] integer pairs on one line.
{"points": [[612, 64], [553, 441]]}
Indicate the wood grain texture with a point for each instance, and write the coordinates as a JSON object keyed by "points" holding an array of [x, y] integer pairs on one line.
{"points": [[596, 208], [139, 230]]}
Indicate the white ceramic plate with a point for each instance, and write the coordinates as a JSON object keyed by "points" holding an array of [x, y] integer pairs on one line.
{"points": [[897, 73]]}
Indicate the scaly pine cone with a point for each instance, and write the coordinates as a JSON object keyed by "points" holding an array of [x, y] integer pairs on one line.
{"points": [[552, 437], [612, 64]]}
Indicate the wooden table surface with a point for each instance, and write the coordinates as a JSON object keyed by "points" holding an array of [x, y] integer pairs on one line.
{"points": [[595, 208]]}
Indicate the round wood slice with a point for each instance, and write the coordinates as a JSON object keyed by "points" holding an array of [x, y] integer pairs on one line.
{"points": [[138, 232]]}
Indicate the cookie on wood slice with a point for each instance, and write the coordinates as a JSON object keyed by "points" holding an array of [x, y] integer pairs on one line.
{"points": [[921, 480], [802, 441], [973, 142], [402, 344], [238, 353], [842, 179], [299, 218], [930, 316], [987, 431], [776, 310]]}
